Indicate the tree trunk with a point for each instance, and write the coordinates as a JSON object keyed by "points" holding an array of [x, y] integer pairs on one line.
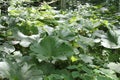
{"points": [[63, 4]]}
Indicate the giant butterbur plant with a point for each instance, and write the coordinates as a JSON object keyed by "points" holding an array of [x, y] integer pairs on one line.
{"points": [[41, 43]]}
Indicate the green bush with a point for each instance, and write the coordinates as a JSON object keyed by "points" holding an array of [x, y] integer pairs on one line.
{"points": [[40, 43]]}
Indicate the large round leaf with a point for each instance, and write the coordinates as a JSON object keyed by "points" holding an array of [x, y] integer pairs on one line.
{"points": [[7, 48], [111, 40], [51, 47]]}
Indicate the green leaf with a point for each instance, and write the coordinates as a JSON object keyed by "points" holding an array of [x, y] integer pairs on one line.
{"points": [[112, 36], [85, 42], [55, 77], [111, 40], [87, 70], [108, 44], [75, 74], [48, 29], [66, 34], [4, 68], [86, 58], [114, 66], [8, 48], [109, 73], [73, 59], [72, 67], [66, 74], [47, 68], [103, 78], [24, 40], [25, 43], [1, 27], [96, 24], [51, 47]]}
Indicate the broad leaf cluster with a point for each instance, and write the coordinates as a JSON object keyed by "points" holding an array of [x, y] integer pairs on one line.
{"points": [[42, 43]]}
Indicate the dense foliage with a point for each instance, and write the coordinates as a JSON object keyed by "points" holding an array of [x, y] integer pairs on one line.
{"points": [[42, 43]]}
